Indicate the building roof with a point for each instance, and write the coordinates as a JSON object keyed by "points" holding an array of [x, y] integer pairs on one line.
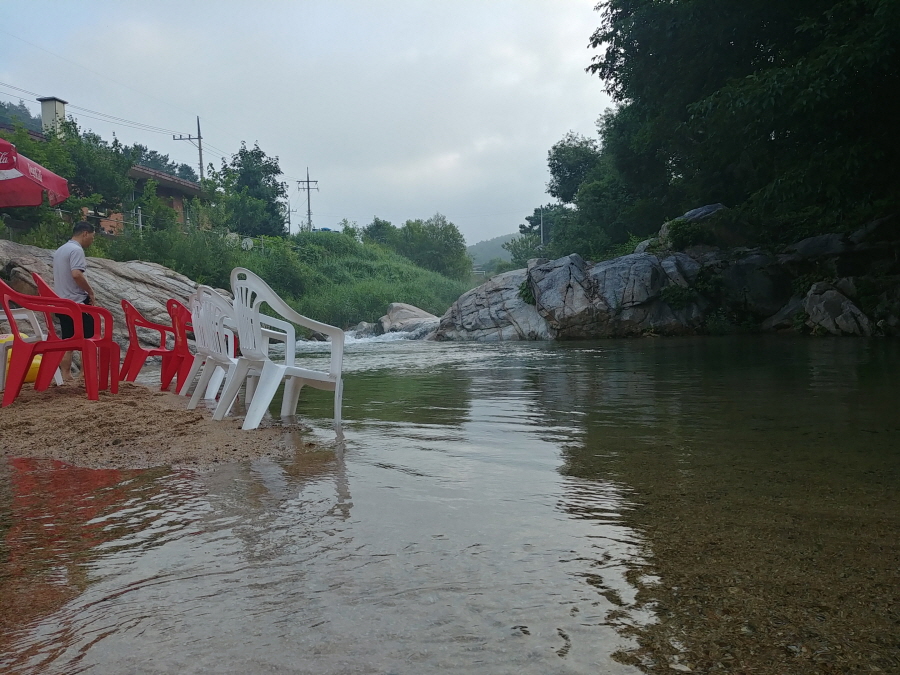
{"points": [[186, 187], [36, 135]]}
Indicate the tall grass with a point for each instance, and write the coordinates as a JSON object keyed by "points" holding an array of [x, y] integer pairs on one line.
{"points": [[327, 276]]}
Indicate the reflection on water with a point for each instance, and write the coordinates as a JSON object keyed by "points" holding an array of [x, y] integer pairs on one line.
{"points": [[492, 508]]}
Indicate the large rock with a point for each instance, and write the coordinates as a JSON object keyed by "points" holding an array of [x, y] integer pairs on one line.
{"points": [[757, 284], [614, 298], [832, 311], [628, 295], [563, 294], [404, 318], [147, 286], [494, 311]]}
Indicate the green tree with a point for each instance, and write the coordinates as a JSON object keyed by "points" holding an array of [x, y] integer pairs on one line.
{"points": [[250, 193], [522, 249], [96, 171], [351, 229], [570, 160], [544, 219], [155, 160], [785, 110], [435, 244], [380, 231]]}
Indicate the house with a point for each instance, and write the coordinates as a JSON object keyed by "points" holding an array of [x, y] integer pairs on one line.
{"points": [[171, 189]]}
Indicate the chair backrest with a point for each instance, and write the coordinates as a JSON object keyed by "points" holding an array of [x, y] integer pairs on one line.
{"points": [[132, 317], [181, 324], [37, 304], [250, 294], [212, 316], [43, 287], [30, 317]]}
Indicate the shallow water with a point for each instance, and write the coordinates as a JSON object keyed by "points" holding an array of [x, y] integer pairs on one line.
{"points": [[480, 514]]}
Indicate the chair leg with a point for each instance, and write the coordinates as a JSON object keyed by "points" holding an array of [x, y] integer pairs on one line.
{"points": [[292, 387], [206, 372], [269, 380], [15, 376], [103, 367], [113, 364], [4, 350], [89, 368], [126, 364], [232, 386], [189, 374], [215, 382], [138, 358], [49, 365], [250, 389], [170, 365], [338, 402]]}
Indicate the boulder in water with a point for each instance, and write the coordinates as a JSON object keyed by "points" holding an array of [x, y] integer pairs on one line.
{"points": [[404, 318]]}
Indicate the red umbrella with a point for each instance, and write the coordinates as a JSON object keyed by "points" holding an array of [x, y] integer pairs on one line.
{"points": [[23, 182]]}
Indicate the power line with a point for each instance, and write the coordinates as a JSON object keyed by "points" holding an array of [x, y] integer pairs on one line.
{"points": [[100, 75], [104, 117]]}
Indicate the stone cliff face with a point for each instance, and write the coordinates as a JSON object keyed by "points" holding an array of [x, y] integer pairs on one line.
{"points": [[832, 284]]}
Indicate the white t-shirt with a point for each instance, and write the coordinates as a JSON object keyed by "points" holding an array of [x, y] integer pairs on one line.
{"points": [[68, 257]]}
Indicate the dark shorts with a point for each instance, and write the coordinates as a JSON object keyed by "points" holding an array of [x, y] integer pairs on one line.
{"points": [[67, 327]]}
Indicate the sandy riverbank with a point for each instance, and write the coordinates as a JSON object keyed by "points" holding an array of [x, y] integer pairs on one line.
{"points": [[136, 428]]}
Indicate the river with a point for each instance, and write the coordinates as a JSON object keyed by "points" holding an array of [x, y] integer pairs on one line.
{"points": [[656, 505]]}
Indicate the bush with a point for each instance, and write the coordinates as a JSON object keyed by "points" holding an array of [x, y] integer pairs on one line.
{"points": [[684, 233]]}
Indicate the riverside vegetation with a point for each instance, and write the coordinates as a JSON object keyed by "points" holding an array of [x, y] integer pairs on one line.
{"points": [[340, 278]]}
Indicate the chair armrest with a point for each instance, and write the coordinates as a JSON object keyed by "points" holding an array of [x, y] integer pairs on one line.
{"points": [[106, 320], [335, 333], [284, 333]]}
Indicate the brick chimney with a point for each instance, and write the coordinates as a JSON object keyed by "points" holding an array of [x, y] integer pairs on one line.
{"points": [[53, 110]]}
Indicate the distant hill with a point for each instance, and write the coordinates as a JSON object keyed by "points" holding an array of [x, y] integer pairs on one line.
{"points": [[489, 249], [10, 113]]}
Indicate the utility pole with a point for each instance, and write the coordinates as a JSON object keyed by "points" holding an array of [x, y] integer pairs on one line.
{"points": [[289, 212], [199, 139], [542, 224], [309, 186]]}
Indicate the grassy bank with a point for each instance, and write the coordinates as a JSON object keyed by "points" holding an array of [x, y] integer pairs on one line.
{"points": [[327, 276]]}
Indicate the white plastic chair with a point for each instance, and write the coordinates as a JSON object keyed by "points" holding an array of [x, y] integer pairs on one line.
{"points": [[212, 319], [214, 325], [250, 294], [37, 334]]}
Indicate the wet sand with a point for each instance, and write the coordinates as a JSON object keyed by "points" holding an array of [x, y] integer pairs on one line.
{"points": [[138, 427]]}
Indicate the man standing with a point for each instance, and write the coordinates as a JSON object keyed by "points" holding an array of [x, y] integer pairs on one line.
{"points": [[69, 264]]}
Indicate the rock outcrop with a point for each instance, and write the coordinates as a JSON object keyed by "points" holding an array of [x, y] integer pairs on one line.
{"points": [[146, 285], [494, 311], [819, 285], [831, 311]]}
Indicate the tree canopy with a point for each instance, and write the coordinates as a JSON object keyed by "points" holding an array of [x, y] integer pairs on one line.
{"points": [[435, 244], [155, 160], [246, 194], [783, 111]]}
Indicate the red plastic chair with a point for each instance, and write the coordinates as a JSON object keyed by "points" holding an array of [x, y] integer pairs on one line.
{"points": [[182, 360], [51, 350], [136, 355], [107, 350]]}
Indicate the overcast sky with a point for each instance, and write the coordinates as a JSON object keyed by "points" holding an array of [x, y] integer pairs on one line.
{"points": [[400, 108]]}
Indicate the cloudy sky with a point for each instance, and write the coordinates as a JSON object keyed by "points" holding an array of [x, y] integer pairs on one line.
{"points": [[400, 108]]}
